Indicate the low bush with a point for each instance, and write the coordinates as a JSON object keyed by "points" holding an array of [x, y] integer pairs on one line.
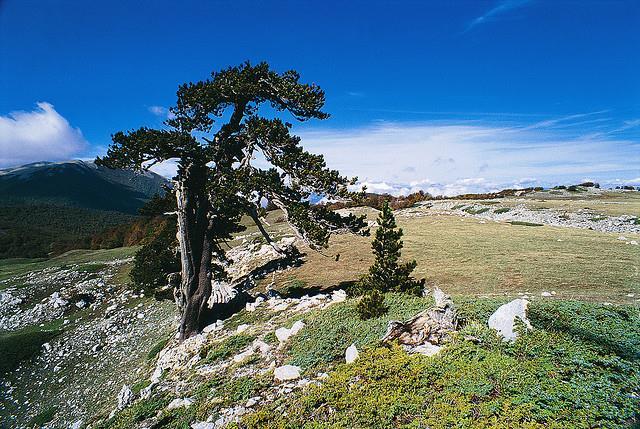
{"points": [[521, 223], [227, 348], [501, 210]]}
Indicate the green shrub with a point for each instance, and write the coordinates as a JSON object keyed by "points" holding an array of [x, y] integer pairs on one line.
{"points": [[501, 210], [564, 373], [371, 305], [157, 348], [22, 345], [229, 347], [43, 417], [473, 211], [329, 332], [521, 223]]}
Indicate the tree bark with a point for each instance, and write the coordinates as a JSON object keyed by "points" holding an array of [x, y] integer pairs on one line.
{"points": [[194, 236]]}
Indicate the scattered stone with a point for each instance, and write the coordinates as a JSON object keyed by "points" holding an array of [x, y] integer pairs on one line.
{"points": [[283, 334], [504, 318], [427, 349], [46, 347], [241, 328], [81, 304], [125, 397], [203, 425], [286, 372], [547, 294], [179, 403], [77, 424], [351, 354], [338, 295], [242, 356]]}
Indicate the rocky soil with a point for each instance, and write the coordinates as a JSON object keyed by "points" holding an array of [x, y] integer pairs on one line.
{"points": [[492, 210], [107, 331]]}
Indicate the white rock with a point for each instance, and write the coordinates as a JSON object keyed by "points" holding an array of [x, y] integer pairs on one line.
{"points": [[252, 401], [427, 349], [242, 356], [125, 397], [262, 346], [203, 425], [351, 354], [503, 320], [180, 402], [546, 294], [338, 295], [76, 425], [157, 374], [81, 304], [140, 315], [240, 329], [286, 372], [46, 347], [631, 295], [634, 242], [283, 334]]}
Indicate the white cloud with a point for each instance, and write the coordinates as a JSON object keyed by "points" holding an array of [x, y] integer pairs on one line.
{"points": [[42, 134], [499, 9], [459, 157], [161, 112]]}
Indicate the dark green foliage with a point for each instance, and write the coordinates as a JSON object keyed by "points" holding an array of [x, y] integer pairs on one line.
{"points": [[157, 259], [157, 348], [37, 231], [521, 223], [473, 211], [43, 417], [388, 274], [371, 305], [329, 332], [501, 210], [215, 133], [21, 345], [226, 348]]}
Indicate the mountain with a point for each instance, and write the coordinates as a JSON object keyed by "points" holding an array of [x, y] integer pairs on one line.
{"points": [[47, 208], [80, 184]]}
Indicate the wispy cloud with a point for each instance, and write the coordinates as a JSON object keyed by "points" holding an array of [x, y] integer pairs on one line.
{"points": [[469, 156], [501, 8], [38, 135], [161, 112]]}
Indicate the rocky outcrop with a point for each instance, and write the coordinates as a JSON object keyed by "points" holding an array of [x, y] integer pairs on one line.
{"points": [[504, 318], [428, 330]]}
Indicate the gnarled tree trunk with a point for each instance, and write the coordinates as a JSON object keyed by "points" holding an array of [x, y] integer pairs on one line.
{"points": [[194, 236]]}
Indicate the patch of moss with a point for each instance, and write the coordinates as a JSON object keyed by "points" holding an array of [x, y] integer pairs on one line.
{"points": [[501, 210], [227, 348], [22, 345], [43, 417], [156, 349], [521, 223]]}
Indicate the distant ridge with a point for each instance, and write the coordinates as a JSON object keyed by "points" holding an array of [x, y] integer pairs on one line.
{"points": [[80, 184], [47, 208]]}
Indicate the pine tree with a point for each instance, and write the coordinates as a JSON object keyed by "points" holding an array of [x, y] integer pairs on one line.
{"points": [[217, 129], [371, 305], [388, 274]]}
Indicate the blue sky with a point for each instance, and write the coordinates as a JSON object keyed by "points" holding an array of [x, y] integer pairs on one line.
{"points": [[447, 96]]}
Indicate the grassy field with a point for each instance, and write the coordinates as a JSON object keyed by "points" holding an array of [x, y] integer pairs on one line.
{"points": [[606, 203], [17, 267], [471, 257]]}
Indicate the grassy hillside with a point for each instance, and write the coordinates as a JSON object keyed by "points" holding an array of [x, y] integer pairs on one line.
{"points": [[470, 256], [49, 208]]}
